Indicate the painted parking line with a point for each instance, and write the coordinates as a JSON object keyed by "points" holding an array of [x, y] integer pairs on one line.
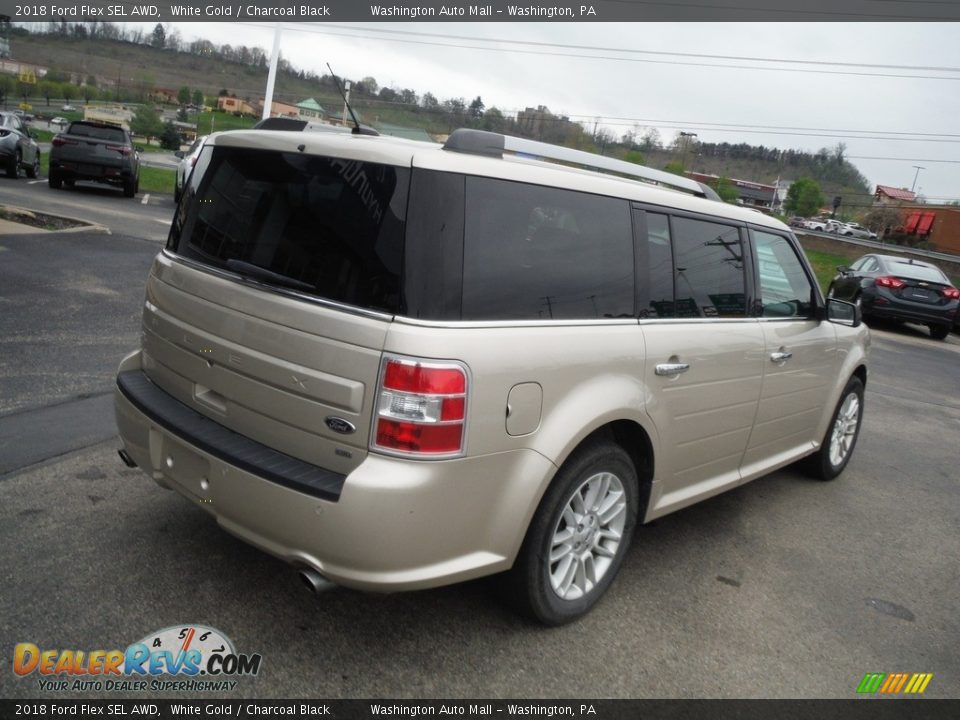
{"points": [[162, 222], [34, 182], [146, 199]]}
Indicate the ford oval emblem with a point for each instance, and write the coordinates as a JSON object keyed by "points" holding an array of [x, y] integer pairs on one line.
{"points": [[339, 425]]}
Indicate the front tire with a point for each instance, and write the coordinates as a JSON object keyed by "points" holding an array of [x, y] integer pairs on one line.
{"points": [[841, 438], [579, 535]]}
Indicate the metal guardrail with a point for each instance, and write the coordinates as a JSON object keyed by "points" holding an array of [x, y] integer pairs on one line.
{"points": [[877, 244]]}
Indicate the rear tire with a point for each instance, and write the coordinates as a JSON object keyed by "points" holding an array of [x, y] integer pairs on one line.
{"points": [[54, 180], [841, 438], [129, 188], [579, 535], [13, 166], [34, 170], [939, 332]]}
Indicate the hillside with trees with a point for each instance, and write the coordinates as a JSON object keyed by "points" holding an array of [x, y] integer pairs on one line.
{"points": [[98, 61]]}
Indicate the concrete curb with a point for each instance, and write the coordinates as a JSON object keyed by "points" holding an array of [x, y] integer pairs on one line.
{"points": [[11, 226]]}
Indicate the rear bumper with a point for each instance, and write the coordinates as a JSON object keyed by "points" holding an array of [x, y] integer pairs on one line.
{"points": [[394, 525], [91, 171], [887, 306]]}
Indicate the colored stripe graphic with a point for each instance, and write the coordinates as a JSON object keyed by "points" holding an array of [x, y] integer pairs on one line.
{"points": [[870, 683], [895, 683], [918, 683]]}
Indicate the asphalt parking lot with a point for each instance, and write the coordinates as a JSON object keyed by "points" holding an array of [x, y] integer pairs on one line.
{"points": [[785, 587]]}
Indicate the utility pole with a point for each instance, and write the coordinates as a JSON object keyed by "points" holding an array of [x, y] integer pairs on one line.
{"points": [[272, 75], [915, 176], [685, 137]]}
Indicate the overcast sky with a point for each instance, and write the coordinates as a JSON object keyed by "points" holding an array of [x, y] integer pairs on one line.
{"points": [[855, 96]]}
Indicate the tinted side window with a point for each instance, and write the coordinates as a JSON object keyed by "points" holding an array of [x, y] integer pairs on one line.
{"points": [[659, 269], [709, 269], [326, 226], [785, 290], [533, 252]]}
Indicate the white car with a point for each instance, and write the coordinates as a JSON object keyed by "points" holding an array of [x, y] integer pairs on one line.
{"points": [[59, 121], [856, 230], [187, 160], [814, 224]]}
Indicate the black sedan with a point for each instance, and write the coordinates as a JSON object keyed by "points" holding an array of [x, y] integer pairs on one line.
{"points": [[899, 288]]}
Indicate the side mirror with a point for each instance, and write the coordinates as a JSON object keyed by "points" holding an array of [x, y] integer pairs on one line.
{"points": [[178, 154], [842, 312], [139, 148], [843, 269]]}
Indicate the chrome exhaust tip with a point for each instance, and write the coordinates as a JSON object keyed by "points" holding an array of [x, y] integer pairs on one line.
{"points": [[127, 460], [315, 582]]}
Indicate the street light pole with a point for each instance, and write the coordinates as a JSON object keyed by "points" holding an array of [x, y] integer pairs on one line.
{"points": [[686, 144], [915, 176]]}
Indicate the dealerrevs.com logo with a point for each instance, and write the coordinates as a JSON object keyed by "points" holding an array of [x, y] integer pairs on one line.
{"points": [[198, 657]]}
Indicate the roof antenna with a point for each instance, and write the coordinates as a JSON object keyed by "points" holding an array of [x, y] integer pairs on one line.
{"points": [[358, 129]]}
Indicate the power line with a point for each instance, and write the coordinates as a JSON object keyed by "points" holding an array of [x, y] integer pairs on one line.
{"points": [[600, 48], [545, 53]]}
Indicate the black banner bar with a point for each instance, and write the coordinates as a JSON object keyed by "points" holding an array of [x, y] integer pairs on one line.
{"points": [[482, 11], [858, 709]]}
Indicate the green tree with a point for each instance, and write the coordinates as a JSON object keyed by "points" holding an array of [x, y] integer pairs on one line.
{"points": [[476, 108], [725, 189], [198, 98], [48, 90], [159, 36], [183, 95], [67, 91], [146, 122], [635, 156], [89, 92], [675, 167], [170, 139], [804, 198]]}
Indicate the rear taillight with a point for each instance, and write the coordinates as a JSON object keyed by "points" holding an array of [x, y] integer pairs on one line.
{"points": [[421, 408], [60, 141], [951, 293], [890, 282], [123, 150]]}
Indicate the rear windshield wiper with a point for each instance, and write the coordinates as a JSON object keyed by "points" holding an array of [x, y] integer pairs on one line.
{"points": [[259, 273]]}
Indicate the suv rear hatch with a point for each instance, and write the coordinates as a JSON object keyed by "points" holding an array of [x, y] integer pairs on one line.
{"points": [[268, 310], [92, 149]]}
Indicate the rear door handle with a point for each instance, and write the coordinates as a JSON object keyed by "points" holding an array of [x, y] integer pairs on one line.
{"points": [[671, 369], [781, 356]]}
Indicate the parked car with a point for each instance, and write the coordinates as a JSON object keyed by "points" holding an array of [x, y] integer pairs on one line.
{"points": [[856, 230], [59, 121], [18, 149], [398, 365], [902, 289], [796, 221], [68, 108], [95, 151], [187, 160], [815, 224]]}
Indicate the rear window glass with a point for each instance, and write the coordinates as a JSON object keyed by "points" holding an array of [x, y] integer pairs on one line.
{"points": [[540, 253], [917, 272], [329, 227], [99, 132]]}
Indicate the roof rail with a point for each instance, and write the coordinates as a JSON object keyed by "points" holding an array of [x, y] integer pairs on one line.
{"points": [[481, 142]]}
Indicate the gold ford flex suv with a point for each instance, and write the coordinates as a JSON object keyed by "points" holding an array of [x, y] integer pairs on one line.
{"points": [[398, 365]]}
